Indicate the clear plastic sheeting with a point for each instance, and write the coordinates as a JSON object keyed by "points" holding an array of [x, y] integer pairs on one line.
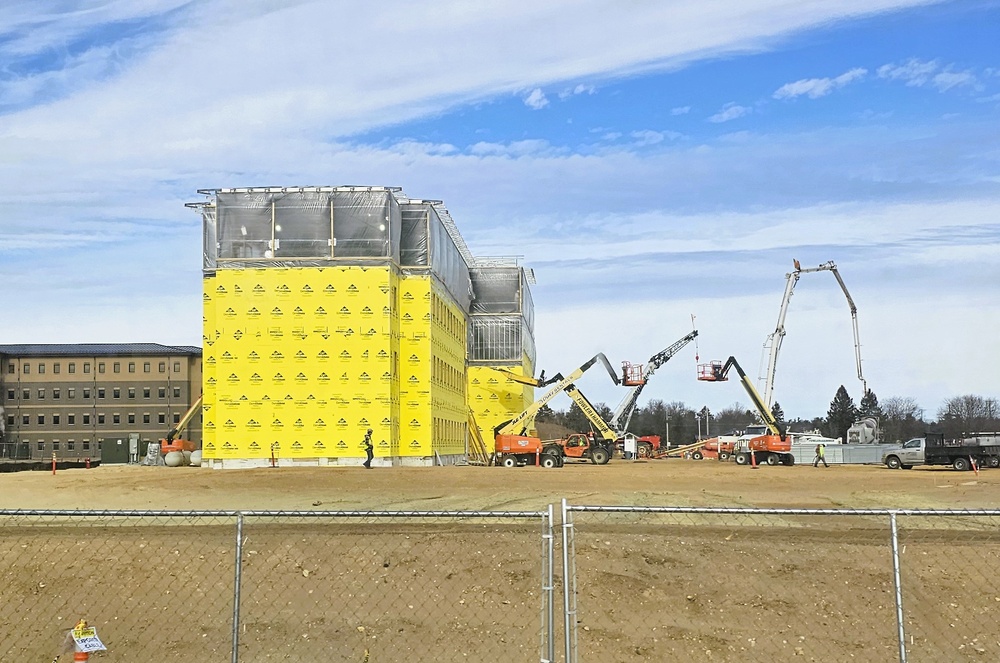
{"points": [[276, 227], [302, 223], [244, 225], [426, 242], [209, 243], [314, 226], [502, 290], [500, 338], [366, 224]]}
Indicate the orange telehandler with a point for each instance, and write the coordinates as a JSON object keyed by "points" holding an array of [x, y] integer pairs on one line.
{"points": [[512, 444]]}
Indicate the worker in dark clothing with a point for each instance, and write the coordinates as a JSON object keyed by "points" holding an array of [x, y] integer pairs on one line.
{"points": [[820, 456], [369, 450]]}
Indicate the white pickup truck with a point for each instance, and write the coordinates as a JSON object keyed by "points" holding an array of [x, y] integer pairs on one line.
{"points": [[933, 449]]}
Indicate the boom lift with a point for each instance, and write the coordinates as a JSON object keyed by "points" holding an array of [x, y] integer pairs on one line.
{"points": [[540, 381], [772, 344], [513, 446], [623, 413], [171, 442], [773, 448]]}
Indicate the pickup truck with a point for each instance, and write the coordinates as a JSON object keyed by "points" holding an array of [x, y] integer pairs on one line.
{"points": [[933, 449]]}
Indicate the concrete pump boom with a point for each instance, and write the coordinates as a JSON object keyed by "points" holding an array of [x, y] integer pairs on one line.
{"points": [[520, 424], [772, 344], [623, 413]]}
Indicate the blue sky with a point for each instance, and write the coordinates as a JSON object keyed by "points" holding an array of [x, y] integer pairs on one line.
{"points": [[650, 160]]}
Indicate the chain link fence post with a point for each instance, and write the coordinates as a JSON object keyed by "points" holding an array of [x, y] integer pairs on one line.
{"points": [[237, 583], [569, 584], [548, 588], [898, 586]]}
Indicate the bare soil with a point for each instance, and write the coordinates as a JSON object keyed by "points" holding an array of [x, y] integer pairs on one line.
{"points": [[650, 587], [670, 482]]}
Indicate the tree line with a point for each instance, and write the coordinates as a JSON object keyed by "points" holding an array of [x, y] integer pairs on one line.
{"points": [[899, 418]]}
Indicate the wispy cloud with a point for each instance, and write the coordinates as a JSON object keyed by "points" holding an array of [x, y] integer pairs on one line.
{"points": [[536, 100], [521, 148], [577, 90], [815, 88], [729, 112], [649, 137], [195, 101], [918, 73]]}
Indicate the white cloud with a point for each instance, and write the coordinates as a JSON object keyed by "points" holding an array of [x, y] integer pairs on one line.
{"points": [[649, 137], [948, 79], [579, 89], [536, 100], [266, 96], [730, 111], [30, 28], [913, 72], [918, 73], [516, 149], [818, 87]]}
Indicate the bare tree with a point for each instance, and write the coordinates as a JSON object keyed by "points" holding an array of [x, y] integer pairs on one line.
{"points": [[902, 419], [968, 414], [732, 418]]}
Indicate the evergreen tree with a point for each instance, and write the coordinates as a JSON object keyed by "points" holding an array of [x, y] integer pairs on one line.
{"points": [[778, 413], [869, 406], [546, 414], [576, 420], [841, 415]]}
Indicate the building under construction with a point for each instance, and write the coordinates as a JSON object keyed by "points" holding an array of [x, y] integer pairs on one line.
{"points": [[332, 310]]}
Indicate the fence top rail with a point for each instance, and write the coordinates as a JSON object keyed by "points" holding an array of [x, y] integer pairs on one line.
{"points": [[780, 511], [63, 513]]}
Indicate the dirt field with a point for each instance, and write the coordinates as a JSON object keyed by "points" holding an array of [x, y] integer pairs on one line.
{"points": [[658, 588], [658, 482]]}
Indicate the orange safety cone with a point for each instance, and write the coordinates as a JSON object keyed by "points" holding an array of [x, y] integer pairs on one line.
{"points": [[753, 460], [79, 654], [975, 466]]}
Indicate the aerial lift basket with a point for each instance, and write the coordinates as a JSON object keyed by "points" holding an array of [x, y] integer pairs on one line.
{"points": [[711, 372], [632, 374]]}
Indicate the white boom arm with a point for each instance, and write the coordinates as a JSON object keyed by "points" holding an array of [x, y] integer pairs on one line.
{"points": [[623, 413], [772, 344]]}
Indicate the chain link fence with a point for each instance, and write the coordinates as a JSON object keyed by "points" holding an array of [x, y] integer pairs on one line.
{"points": [[255, 586], [643, 584], [683, 584]]}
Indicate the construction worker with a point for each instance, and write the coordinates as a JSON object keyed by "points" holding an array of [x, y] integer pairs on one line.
{"points": [[820, 455], [369, 450]]}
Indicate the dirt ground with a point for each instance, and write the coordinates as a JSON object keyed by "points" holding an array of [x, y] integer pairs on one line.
{"points": [[651, 588], [670, 482]]}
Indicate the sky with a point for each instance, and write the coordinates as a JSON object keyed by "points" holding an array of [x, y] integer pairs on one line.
{"points": [[650, 160]]}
